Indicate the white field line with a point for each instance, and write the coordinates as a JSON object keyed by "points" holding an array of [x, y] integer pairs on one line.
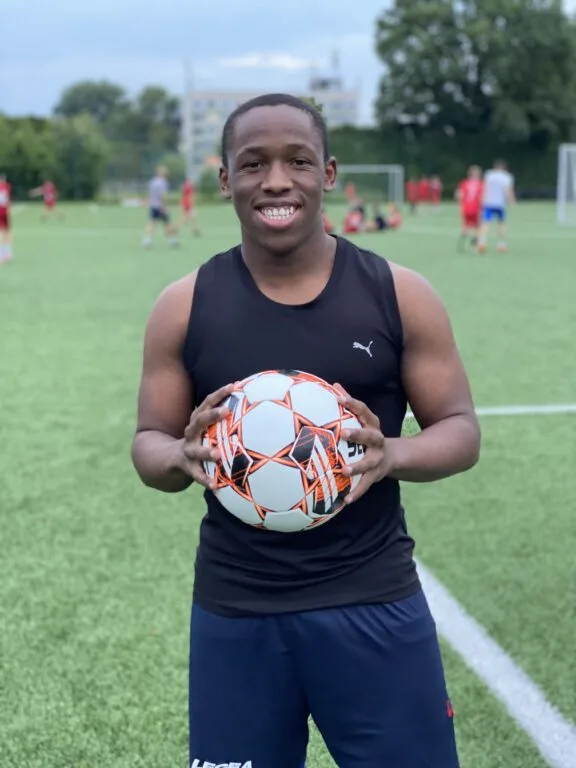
{"points": [[522, 410], [17, 209], [515, 234], [554, 736]]}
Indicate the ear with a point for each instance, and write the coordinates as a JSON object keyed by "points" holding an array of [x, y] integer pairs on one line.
{"points": [[224, 182], [330, 173]]}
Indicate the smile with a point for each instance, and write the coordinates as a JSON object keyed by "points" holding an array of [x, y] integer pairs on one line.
{"points": [[278, 215]]}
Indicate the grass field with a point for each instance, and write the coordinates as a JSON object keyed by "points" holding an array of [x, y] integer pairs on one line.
{"points": [[97, 570]]}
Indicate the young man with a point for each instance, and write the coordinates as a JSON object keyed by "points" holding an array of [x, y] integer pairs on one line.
{"points": [[188, 205], [158, 208], [330, 622], [49, 194], [5, 238], [497, 196], [469, 195]]}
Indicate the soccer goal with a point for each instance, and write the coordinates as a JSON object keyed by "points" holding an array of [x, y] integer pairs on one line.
{"points": [[375, 183], [566, 195]]}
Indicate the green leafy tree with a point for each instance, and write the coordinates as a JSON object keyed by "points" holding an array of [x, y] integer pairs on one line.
{"points": [[100, 99], [81, 152], [159, 114], [208, 184], [27, 152], [176, 166], [471, 66]]}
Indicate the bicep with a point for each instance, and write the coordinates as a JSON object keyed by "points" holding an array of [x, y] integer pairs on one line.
{"points": [[433, 374], [165, 398]]}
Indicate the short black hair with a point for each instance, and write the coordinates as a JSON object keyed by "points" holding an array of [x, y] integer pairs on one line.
{"points": [[275, 100]]}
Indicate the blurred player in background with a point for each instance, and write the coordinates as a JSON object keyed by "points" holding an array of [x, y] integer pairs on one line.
{"points": [[350, 192], [435, 191], [424, 190], [394, 216], [381, 223], [412, 194], [49, 193], [188, 205], [326, 221], [469, 195], [5, 239], [354, 220], [158, 208], [497, 196]]}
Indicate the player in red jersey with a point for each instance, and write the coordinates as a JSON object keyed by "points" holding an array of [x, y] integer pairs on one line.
{"points": [[394, 216], [188, 205], [5, 239], [469, 195], [350, 192], [49, 193], [424, 190], [353, 221], [328, 226], [435, 191], [412, 194]]}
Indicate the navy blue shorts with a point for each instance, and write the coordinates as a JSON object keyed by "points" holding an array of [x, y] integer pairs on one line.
{"points": [[158, 214], [371, 678]]}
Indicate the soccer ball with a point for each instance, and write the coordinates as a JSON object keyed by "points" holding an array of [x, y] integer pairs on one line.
{"points": [[282, 452]]}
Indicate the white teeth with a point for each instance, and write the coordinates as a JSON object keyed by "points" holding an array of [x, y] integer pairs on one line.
{"points": [[277, 214]]}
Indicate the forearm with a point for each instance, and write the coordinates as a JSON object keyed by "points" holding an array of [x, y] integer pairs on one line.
{"points": [[157, 459], [441, 450]]}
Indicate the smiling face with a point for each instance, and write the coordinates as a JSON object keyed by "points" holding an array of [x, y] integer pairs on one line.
{"points": [[276, 176]]}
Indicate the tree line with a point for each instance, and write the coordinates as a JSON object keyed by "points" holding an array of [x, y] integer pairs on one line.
{"points": [[463, 81]]}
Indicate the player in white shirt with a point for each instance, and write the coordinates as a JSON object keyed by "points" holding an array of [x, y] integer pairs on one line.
{"points": [[158, 208], [498, 195]]}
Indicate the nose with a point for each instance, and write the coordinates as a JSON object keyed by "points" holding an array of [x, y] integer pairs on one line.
{"points": [[277, 179]]}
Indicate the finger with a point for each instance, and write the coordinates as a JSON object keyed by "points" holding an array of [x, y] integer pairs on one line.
{"points": [[199, 476], [340, 389], [368, 436], [196, 452], [360, 489], [369, 463], [201, 420], [214, 399], [195, 468], [357, 407], [366, 417]]}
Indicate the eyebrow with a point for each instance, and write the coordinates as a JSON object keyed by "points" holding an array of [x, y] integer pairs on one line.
{"points": [[292, 147]]}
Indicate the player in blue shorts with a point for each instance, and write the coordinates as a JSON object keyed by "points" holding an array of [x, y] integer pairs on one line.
{"points": [[329, 623], [497, 196], [158, 209]]}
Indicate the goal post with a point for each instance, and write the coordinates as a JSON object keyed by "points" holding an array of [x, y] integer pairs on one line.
{"points": [[376, 183], [566, 193]]}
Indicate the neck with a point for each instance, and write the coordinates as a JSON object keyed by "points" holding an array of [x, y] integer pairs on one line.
{"points": [[312, 256]]}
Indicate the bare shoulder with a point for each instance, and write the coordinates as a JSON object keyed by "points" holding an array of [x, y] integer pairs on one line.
{"points": [[420, 305], [171, 311]]}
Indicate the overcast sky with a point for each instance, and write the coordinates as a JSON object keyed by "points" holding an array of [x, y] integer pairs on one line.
{"points": [[48, 44]]}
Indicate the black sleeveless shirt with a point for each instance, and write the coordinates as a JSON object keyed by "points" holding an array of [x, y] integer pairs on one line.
{"points": [[352, 334]]}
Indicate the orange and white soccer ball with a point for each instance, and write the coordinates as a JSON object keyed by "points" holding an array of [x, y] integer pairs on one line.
{"points": [[282, 452]]}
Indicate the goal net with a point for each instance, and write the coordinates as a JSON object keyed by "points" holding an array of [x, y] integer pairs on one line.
{"points": [[566, 195], [373, 183]]}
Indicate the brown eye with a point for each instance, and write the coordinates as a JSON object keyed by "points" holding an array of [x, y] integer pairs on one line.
{"points": [[253, 165]]}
